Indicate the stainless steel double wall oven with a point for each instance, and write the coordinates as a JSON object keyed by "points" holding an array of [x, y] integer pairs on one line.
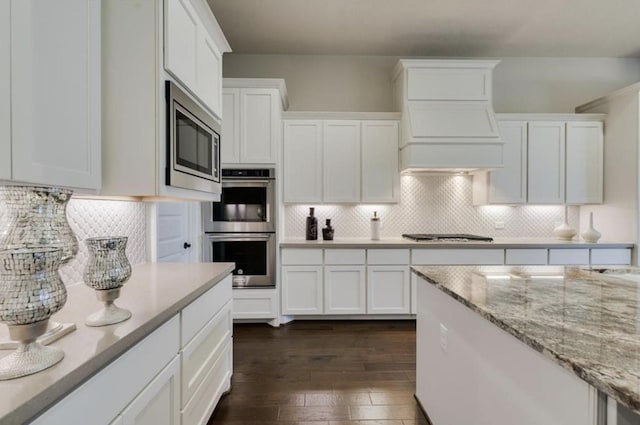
{"points": [[241, 227]]}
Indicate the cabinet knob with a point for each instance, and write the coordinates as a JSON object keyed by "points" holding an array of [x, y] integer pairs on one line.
{"points": [[186, 245]]}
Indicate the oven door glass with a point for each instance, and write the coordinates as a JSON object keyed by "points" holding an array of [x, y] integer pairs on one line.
{"points": [[246, 204], [254, 257]]}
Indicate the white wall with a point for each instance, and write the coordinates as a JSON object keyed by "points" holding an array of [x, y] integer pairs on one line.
{"points": [[363, 83]]}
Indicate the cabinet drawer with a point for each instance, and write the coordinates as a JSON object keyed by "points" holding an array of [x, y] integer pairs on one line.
{"points": [[206, 397], [199, 312], [526, 256], [254, 304], [122, 380], [200, 354], [568, 256], [388, 256], [457, 256], [611, 256], [301, 257], [344, 256]]}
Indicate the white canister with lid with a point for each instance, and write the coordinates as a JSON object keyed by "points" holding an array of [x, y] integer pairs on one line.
{"points": [[375, 227]]}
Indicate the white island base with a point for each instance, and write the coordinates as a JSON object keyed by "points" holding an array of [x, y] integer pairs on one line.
{"points": [[469, 371]]}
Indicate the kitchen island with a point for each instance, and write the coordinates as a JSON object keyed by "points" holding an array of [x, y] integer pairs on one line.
{"points": [[171, 305], [526, 345]]}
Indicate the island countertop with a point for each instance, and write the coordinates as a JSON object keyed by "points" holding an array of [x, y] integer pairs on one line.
{"points": [[585, 320], [154, 294]]}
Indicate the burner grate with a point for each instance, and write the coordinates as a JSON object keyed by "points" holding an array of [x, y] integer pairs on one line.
{"points": [[460, 237]]}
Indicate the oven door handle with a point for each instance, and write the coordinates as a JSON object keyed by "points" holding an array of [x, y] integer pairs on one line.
{"points": [[234, 238], [249, 181]]}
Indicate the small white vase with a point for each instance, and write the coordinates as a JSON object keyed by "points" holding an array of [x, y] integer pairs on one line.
{"points": [[564, 232], [591, 234]]}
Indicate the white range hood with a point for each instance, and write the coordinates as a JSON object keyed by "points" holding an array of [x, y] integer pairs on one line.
{"points": [[448, 123]]}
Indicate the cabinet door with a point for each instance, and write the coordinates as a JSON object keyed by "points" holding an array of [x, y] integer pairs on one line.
{"points": [[230, 138], [341, 161], [5, 84], [380, 175], [546, 153], [209, 73], [302, 290], [258, 126], [585, 162], [302, 161], [55, 92], [181, 41], [345, 290], [508, 185], [388, 290], [159, 402]]}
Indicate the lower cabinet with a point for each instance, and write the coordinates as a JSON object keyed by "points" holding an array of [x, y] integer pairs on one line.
{"points": [[302, 290], [389, 290], [345, 290], [159, 402], [255, 303], [161, 380]]}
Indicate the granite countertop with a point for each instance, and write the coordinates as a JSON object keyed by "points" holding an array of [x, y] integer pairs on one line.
{"points": [[154, 294], [585, 320], [399, 242]]}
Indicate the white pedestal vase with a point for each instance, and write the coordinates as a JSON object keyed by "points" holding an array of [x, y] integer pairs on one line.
{"points": [[591, 235], [564, 232]]}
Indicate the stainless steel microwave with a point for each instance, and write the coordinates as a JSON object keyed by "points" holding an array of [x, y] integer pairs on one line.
{"points": [[193, 143]]}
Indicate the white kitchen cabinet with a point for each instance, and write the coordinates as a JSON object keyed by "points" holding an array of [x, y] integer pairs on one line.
{"points": [[255, 304], [134, 49], [55, 92], [5, 90], [507, 185], [345, 290], [380, 175], [359, 160], [341, 161], [191, 55], [302, 161], [159, 402], [230, 143], [252, 120], [546, 158], [472, 256], [584, 162], [569, 257], [388, 290], [302, 290]]}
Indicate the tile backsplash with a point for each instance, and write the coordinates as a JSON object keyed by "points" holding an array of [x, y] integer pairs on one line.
{"points": [[433, 204], [90, 218]]}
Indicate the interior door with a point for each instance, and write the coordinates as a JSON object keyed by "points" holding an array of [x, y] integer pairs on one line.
{"points": [[173, 237]]}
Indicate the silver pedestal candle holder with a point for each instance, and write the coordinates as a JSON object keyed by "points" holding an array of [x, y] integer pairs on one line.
{"points": [[30, 292], [37, 217], [106, 272]]}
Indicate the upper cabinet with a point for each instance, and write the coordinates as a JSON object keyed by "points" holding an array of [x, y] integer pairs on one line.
{"points": [[358, 159], [252, 119], [549, 159], [144, 44], [50, 93], [191, 55]]}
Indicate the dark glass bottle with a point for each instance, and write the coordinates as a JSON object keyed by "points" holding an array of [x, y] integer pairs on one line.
{"points": [[327, 232], [312, 226]]}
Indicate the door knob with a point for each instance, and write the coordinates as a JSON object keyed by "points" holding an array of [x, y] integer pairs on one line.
{"points": [[186, 245]]}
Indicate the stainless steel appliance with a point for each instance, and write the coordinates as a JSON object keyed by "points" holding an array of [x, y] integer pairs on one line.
{"points": [[253, 253], [193, 143], [246, 204], [241, 227], [461, 237]]}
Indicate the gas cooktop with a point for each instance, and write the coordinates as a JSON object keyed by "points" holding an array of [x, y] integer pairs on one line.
{"points": [[459, 237]]}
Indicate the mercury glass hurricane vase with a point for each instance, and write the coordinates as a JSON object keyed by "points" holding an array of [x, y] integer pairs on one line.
{"points": [[106, 271], [30, 292], [36, 216]]}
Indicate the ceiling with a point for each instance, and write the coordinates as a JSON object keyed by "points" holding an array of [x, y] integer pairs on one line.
{"points": [[576, 28]]}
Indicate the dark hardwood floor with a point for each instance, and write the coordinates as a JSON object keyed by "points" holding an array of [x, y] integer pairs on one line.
{"points": [[322, 373]]}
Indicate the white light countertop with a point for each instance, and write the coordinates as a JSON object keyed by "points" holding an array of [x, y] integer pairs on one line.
{"points": [[399, 242], [154, 294]]}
